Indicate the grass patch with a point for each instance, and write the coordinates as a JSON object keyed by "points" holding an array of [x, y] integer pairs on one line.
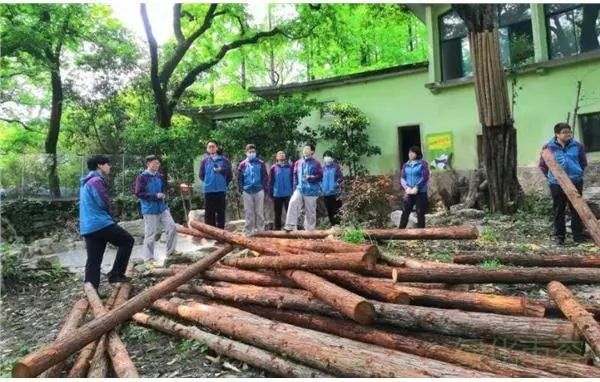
{"points": [[134, 333], [491, 264], [442, 256], [489, 235], [187, 346], [7, 364], [353, 236]]}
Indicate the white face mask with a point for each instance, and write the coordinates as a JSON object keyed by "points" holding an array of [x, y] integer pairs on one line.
{"points": [[328, 160]]}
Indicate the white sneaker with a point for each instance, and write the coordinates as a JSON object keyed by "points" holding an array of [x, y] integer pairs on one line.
{"points": [[289, 228]]}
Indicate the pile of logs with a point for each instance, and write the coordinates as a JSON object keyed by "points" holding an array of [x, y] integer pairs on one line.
{"points": [[305, 306]]}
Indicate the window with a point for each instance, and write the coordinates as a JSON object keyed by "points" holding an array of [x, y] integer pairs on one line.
{"points": [[516, 40], [323, 112], [590, 131], [572, 28]]}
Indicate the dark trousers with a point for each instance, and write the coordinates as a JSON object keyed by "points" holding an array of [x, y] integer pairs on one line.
{"points": [[559, 204], [279, 203], [95, 244], [333, 205], [214, 211], [420, 200]]}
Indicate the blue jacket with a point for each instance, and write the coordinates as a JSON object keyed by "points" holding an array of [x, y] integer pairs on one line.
{"points": [[281, 180], [415, 174], [252, 176], [311, 168], [94, 204], [571, 158], [147, 185], [332, 180], [215, 181]]}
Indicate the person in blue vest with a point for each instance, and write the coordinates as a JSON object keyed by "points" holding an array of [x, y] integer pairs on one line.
{"points": [[331, 186], [97, 226], [151, 190], [414, 179], [253, 182], [281, 179], [570, 155], [307, 187], [215, 173]]}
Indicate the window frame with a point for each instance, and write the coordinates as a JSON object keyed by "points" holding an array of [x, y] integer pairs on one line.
{"points": [[548, 15], [581, 130]]}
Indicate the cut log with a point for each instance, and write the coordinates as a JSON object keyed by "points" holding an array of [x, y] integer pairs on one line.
{"points": [[122, 364], [555, 365], [438, 233], [503, 275], [40, 360], [251, 294], [572, 309], [237, 350], [99, 364], [395, 261], [73, 321], [345, 261], [577, 201], [191, 231], [532, 260], [326, 246], [406, 344], [374, 288], [390, 273], [552, 308], [477, 325], [386, 290], [341, 356], [350, 304], [82, 363]]}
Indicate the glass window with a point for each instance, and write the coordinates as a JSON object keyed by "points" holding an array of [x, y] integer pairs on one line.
{"points": [[572, 28], [590, 131], [516, 40]]}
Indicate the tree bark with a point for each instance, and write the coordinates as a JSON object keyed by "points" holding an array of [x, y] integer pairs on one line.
{"points": [[99, 363], [504, 275], [407, 344], [584, 212], [476, 325], [374, 288], [82, 363], [391, 273], [555, 365], [326, 246], [342, 357], [572, 309], [73, 320], [54, 128], [38, 361], [531, 260], [347, 261], [249, 354]]}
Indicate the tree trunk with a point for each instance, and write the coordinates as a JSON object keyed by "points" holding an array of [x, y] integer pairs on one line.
{"points": [[531, 260], [439, 233], [588, 39], [38, 361], [237, 350], [572, 309], [73, 321], [504, 275], [124, 367], [555, 365], [584, 212], [375, 288], [477, 325], [499, 134], [343, 357], [99, 365], [552, 308], [82, 363], [407, 344], [271, 297], [326, 246], [347, 261], [54, 129]]}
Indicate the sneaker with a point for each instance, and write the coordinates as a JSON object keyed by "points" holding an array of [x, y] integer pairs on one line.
{"points": [[175, 254], [288, 228], [559, 240]]}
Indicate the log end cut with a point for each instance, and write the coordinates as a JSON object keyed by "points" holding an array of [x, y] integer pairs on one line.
{"points": [[364, 313]]}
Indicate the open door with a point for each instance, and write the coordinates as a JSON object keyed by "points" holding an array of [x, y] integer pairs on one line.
{"points": [[408, 136]]}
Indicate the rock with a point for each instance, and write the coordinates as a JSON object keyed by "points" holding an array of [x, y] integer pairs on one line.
{"points": [[457, 207], [61, 246], [235, 225], [397, 215], [435, 220], [196, 215], [592, 197], [134, 227], [469, 213], [443, 187], [44, 242], [46, 261]]}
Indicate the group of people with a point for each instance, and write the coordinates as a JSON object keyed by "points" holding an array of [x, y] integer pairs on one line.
{"points": [[289, 186]]}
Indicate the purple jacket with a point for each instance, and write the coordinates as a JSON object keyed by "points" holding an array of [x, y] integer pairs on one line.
{"points": [[252, 176], [312, 170], [415, 174]]}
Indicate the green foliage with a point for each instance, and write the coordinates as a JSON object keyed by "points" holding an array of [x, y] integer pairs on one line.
{"points": [[274, 126], [7, 364], [489, 235], [366, 201], [139, 334], [347, 131], [491, 264], [353, 236], [442, 256], [187, 346], [15, 274]]}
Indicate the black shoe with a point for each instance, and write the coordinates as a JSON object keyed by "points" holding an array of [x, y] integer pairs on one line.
{"points": [[559, 240], [118, 279]]}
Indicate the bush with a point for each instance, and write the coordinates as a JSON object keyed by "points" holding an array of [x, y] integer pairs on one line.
{"points": [[367, 201]]}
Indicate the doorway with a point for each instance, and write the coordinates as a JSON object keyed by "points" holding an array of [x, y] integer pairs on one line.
{"points": [[408, 136]]}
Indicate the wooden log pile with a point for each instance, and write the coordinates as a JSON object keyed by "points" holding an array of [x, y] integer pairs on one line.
{"points": [[304, 306]]}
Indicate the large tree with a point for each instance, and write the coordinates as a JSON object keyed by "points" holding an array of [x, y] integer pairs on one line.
{"points": [[39, 40], [499, 133], [204, 34]]}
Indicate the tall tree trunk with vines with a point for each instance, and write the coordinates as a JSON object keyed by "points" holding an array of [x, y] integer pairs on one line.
{"points": [[54, 130], [499, 133]]}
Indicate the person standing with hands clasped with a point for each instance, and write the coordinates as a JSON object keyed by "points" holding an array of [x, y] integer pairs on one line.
{"points": [[253, 182], [414, 178], [281, 179], [331, 186], [215, 173]]}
